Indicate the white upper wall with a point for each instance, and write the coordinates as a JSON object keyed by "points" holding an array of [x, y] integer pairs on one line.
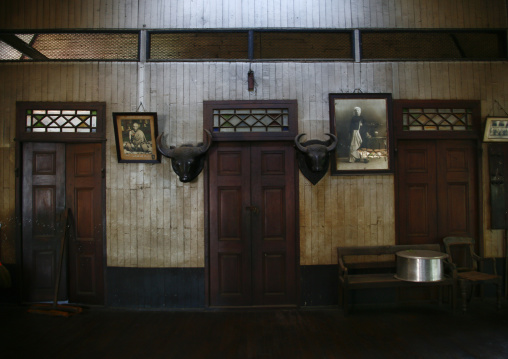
{"points": [[213, 14]]}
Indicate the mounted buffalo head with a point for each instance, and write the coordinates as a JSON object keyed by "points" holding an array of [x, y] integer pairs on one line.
{"points": [[187, 160], [314, 156]]}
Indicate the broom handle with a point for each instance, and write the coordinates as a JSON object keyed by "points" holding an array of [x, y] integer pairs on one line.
{"points": [[60, 261]]}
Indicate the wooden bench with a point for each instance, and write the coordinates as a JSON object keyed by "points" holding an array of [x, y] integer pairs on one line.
{"points": [[370, 272]]}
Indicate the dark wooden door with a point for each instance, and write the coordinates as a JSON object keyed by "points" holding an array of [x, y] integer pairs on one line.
{"points": [[84, 198], [55, 177], [252, 250], [43, 202], [437, 190]]}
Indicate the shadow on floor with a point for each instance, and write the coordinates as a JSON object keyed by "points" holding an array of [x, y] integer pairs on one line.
{"points": [[381, 331]]}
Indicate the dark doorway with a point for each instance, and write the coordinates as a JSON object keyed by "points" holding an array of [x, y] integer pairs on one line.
{"points": [[252, 211], [56, 177]]}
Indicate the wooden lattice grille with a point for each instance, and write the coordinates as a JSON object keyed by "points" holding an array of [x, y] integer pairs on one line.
{"points": [[54, 121], [251, 120], [437, 119]]}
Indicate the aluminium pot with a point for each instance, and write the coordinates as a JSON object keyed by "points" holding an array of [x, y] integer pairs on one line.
{"points": [[420, 265]]}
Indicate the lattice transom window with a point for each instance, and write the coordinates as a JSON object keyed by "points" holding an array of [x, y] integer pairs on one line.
{"points": [[70, 121], [251, 120], [437, 119]]}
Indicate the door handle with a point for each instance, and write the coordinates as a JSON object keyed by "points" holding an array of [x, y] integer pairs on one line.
{"points": [[253, 209]]}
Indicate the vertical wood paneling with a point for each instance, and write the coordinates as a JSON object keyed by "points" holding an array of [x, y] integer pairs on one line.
{"points": [[156, 14], [153, 220]]}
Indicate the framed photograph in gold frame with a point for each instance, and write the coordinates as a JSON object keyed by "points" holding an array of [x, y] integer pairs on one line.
{"points": [[496, 129], [135, 135]]}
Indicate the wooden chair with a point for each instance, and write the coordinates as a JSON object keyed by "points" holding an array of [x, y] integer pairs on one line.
{"points": [[465, 260]]}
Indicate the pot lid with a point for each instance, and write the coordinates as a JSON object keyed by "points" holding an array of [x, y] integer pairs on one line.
{"points": [[421, 253]]}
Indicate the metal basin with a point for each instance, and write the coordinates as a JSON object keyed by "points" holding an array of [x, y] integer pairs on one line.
{"points": [[420, 265]]}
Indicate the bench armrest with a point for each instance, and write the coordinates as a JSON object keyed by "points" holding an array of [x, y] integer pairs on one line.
{"points": [[450, 268], [343, 271], [477, 258]]}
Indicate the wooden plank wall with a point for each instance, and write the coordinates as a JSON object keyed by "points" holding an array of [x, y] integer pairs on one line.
{"points": [[155, 221], [138, 14]]}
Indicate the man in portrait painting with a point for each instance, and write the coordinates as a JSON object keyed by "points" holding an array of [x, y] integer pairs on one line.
{"points": [[355, 134]]}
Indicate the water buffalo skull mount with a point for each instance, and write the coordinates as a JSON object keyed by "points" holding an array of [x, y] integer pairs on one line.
{"points": [[187, 160], [314, 156]]}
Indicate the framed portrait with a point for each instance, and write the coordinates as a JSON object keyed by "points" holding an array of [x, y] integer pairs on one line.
{"points": [[363, 126], [135, 135], [496, 129]]}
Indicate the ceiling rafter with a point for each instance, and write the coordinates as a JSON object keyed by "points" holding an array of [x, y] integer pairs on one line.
{"points": [[22, 46]]}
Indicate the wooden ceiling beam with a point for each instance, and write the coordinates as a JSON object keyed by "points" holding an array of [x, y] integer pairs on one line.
{"points": [[22, 46]]}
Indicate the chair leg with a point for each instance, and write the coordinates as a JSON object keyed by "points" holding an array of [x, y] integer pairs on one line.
{"points": [[345, 304], [463, 294], [454, 296], [498, 290]]}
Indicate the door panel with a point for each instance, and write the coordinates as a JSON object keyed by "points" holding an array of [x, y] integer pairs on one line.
{"points": [[230, 248], [437, 190], [252, 234], [417, 192], [42, 204], [458, 184], [84, 198], [273, 234]]}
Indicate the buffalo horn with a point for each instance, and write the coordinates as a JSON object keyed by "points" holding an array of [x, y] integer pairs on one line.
{"points": [[299, 145], [168, 152], [333, 144], [208, 142]]}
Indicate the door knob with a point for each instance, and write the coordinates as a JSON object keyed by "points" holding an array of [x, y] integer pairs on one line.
{"points": [[253, 209]]}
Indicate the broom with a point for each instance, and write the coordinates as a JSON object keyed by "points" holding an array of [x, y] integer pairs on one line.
{"points": [[63, 310]]}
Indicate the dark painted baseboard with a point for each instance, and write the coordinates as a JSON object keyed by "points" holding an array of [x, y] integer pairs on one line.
{"points": [[320, 287], [160, 288], [11, 294], [156, 287]]}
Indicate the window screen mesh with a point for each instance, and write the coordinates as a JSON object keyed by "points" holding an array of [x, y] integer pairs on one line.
{"points": [[432, 45], [199, 45], [77, 46], [92, 46], [8, 53], [303, 45]]}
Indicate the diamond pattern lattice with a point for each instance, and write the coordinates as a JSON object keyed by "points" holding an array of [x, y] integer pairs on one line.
{"points": [[84, 121], [437, 119], [251, 120]]}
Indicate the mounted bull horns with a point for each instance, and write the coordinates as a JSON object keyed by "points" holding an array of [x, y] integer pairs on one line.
{"points": [[187, 160], [314, 156], [169, 152], [331, 147]]}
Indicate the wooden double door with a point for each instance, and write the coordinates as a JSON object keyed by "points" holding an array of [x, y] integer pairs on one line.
{"points": [[57, 176], [437, 189], [252, 224]]}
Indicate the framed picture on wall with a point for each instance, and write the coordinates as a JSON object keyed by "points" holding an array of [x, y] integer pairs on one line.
{"points": [[135, 135], [363, 126], [496, 129]]}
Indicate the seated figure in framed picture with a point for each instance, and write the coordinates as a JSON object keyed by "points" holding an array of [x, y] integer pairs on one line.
{"points": [[137, 139]]}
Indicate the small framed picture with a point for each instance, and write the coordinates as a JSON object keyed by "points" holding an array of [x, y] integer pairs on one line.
{"points": [[496, 129], [135, 135], [363, 126]]}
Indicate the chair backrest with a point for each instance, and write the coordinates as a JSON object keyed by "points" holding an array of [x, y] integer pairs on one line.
{"points": [[460, 250]]}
